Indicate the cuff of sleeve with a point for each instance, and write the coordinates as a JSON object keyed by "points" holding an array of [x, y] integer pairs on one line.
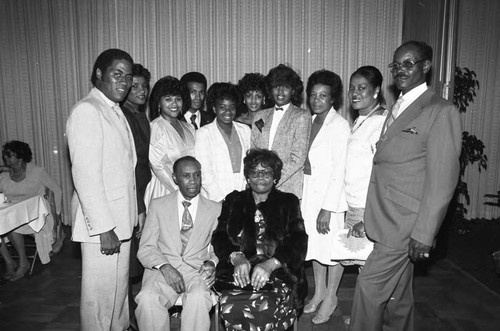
{"points": [[157, 267]]}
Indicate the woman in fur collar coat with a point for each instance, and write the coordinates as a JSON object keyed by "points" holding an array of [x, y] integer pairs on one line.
{"points": [[261, 244]]}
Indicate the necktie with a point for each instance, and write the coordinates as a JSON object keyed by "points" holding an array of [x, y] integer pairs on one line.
{"points": [[193, 121], [187, 225], [393, 114]]}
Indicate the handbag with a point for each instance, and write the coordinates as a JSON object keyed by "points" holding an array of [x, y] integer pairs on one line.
{"points": [[350, 248], [227, 283]]}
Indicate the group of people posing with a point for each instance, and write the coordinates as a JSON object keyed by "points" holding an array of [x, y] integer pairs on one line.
{"points": [[234, 196]]}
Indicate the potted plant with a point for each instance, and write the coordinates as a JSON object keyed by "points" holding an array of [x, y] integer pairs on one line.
{"points": [[472, 147]]}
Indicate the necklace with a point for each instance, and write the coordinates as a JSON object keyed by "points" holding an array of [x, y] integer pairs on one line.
{"points": [[370, 114]]}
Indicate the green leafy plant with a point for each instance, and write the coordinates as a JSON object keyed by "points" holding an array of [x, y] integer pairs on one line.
{"points": [[472, 147]]}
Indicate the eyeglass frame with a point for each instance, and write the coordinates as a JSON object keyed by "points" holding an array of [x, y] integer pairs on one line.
{"points": [[257, 173], [407, 65]]}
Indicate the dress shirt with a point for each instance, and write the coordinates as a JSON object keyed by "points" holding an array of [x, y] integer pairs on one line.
{"points": [[277, 116], [234, 147], [197, 120], [411, 96]]}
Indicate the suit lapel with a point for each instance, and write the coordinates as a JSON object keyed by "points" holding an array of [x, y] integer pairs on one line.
{"points": [[409, 114], [267, 118], [170, 208]]}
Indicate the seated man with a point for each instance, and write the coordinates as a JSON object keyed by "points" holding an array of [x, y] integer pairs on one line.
{"points": [[176, 253]]}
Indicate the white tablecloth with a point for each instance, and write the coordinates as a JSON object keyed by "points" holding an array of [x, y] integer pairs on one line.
{"points": [[31, 211]]}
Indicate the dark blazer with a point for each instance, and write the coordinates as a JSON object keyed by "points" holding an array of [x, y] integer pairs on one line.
{"points": [[284, 228], [204, 120], [415, 171]]}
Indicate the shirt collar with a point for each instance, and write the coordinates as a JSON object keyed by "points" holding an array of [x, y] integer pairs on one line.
{"points": [[106, 99], [414, 93]]}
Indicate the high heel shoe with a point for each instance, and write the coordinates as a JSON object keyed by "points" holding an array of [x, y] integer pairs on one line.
{"points": [[323, 317], [11, 270], [312, 306], [20, 273]]}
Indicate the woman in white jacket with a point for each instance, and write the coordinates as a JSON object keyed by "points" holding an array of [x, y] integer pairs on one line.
{"points": [[323, 201], [221, 145]]}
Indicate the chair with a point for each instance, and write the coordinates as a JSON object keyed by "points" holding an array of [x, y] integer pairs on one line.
{"points": [[177, 307]]}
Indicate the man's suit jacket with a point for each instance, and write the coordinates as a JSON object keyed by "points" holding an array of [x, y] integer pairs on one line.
{"points": [[103, 161], [161, 239], [212, 152], [415, 171], [204, 120], [291, 142]]}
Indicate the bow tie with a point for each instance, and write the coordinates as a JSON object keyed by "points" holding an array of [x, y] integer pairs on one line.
{"points": [[278, 108]]}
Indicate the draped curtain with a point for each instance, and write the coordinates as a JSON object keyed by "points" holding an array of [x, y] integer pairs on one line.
{"points": [[478, 48], [48, 48]]}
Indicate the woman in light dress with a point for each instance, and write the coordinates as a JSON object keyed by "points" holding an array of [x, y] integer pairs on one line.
{"points": [[170, 138], [221, 145], [366, 99], [323, 201]]}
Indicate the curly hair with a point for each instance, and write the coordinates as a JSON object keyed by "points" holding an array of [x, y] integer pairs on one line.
{"points": [[224, 91], [21, 150], [106, 58], [283, 75], [328, 78], [264, 157], [254, 82], [373, 77], [167, 85]]}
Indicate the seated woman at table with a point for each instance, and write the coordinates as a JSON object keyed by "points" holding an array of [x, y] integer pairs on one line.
{"points": [[23, 180], [255, 97], [170, 138], [221, 145], [260, 239]]}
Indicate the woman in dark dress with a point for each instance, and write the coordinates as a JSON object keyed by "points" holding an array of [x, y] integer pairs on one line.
{"points": [[134, 109], [260, 239], [255, 97]]}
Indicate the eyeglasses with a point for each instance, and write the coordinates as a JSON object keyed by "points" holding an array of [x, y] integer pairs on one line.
{"points": [[407, 65], [263, 173]]}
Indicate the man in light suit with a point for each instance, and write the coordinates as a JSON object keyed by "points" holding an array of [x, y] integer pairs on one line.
{"points": [[285, 128], [104, 206], [415, 171], [176, 253]]}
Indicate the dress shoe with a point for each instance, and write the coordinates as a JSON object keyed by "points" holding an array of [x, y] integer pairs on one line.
{"points": [[321, 318]]}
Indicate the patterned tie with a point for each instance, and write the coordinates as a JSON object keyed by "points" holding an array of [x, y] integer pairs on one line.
{"points": [[187, 225], [393, 114], [193, 121]]}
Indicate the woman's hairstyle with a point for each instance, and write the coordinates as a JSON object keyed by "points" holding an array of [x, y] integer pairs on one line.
{"points": [[224, 91], [139, 71], [264, 157], [167, 85], [21, 149], [283, 75], [329, 78], [106, 58], [254, 82], [374, 78]]}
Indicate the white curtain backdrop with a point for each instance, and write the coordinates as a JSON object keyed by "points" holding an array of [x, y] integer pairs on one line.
{"points": [[48, 48]]}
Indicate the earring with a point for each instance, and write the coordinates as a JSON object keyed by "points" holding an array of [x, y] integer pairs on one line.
{"points": [[375, 96], [275, 181]]}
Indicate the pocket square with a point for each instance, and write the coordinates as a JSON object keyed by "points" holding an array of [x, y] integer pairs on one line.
{"points": [[259, 124], [412, 130]]}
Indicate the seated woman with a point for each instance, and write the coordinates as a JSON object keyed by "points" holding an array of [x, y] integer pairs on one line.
{"points": [[260, 239], [170, 138], [255, 97], [221, 145], [20, 181]]}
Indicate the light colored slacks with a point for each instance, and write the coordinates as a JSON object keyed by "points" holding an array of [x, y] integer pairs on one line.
{"points": [[156, 297], [104, 298], [383, 298]]}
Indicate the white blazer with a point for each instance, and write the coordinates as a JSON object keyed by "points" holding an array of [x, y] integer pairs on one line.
{"points": [[327, 156], [211, 150], [103, 161]]}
